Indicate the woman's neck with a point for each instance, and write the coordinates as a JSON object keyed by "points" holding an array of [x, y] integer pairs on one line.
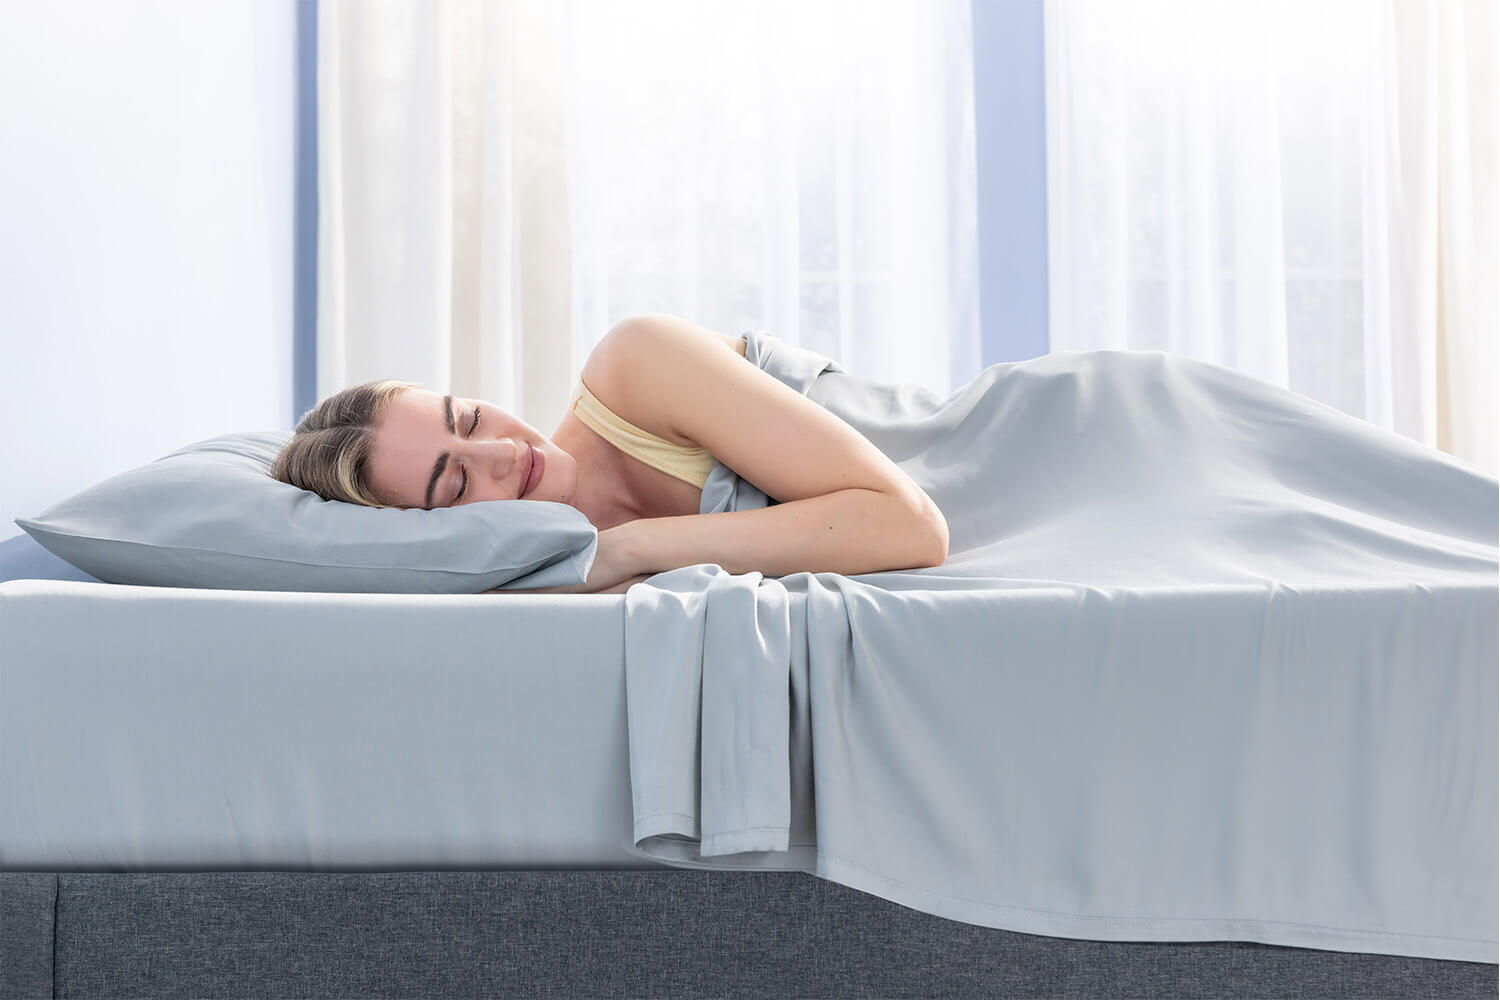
{"points": [[602, 491]]}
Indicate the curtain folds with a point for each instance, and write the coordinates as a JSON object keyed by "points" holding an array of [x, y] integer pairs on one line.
{"points": [[1303, 192], [501, 182]]}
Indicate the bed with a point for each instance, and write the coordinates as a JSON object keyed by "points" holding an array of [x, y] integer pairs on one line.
{"points": [[256, 794], [1202, 703]]}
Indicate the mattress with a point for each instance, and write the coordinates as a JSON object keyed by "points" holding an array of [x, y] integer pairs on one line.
{"points": [[165, 729]]}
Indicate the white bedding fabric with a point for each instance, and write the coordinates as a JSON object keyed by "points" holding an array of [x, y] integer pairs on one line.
{"points": [[1209, 660]]}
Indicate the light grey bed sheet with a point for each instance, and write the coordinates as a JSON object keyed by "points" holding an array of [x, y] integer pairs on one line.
{"points": [[166, 729], [1209, 660]]}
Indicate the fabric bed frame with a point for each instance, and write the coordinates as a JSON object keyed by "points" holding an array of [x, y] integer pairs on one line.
{"points": [[560, 920], [606, 933]]}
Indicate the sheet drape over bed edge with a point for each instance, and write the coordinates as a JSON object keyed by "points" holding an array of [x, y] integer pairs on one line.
{"points": [[1208, 660]]}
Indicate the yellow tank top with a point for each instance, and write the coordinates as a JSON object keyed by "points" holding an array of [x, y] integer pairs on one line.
{"points": [[691, 465]]}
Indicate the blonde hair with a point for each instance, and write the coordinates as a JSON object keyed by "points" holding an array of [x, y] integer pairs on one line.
{"points": [[329, 453]]}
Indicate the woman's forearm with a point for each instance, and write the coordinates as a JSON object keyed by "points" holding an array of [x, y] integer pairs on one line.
{"points": [[620, 588], [848, 532]]}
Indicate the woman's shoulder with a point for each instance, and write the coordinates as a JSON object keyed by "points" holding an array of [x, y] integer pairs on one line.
{"points": [[604, 376]]}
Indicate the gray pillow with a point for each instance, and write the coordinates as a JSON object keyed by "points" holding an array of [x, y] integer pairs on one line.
{"points": [[210, 515]]}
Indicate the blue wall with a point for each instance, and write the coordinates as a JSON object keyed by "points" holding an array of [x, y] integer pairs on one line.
{"points": [[305, 256], [1011, 149]]}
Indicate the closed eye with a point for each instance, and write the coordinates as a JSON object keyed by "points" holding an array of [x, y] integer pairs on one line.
{"points": [[472, 427]]}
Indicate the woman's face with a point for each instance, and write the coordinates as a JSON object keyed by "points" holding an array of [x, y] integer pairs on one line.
{"points": [[429, 452]]}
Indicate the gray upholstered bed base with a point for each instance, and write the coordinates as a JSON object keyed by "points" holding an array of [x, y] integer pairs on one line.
{"points": [[606, 933]]}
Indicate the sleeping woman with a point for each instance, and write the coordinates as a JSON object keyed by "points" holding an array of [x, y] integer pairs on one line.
{"points": [[658, 400]]}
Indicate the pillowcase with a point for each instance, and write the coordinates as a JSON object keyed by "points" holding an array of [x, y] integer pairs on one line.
{"points": [[210, 515]]}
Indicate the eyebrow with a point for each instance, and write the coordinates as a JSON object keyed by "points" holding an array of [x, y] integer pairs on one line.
{"points": [[442, 460]]}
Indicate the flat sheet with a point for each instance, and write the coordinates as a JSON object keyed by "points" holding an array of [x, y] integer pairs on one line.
{"points": [[1209, 660]]}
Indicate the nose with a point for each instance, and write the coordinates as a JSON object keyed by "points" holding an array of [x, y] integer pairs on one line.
{"points": [[501, 456]]}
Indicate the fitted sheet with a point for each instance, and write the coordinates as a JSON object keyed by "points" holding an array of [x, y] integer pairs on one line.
{"points": [[165, 729]]}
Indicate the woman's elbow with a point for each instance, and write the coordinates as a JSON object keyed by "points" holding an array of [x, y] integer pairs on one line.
{"points": [[935, 526], [940, 546]]}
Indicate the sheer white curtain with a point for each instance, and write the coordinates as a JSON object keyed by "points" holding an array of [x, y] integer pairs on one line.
{"points": [[1303, 191], [500, 182]]}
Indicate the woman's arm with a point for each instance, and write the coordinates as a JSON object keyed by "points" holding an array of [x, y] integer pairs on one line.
{"points": [[620, 588], [844, 506], [848, 532]]}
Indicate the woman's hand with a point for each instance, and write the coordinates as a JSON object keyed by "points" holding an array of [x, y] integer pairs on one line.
{"points": [[614, 571]]}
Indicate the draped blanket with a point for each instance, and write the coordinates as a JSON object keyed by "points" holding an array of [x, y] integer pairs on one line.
{"points": [[1208, 660]]}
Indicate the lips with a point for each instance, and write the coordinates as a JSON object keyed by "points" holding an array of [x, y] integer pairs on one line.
{"points": [[531, 469]]}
